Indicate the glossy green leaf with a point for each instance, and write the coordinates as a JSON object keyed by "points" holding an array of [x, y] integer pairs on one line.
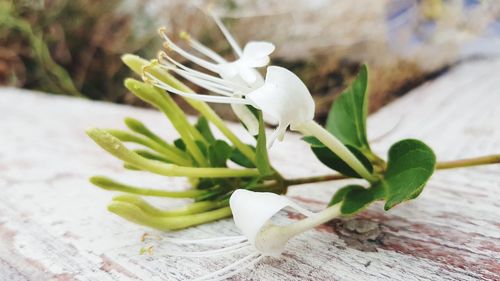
{"points": [[179, 143], [331, 160], [204, 128], [411, 164], [240, 159], [218, 153], [347, 117], [262, 158], [355, 198]]}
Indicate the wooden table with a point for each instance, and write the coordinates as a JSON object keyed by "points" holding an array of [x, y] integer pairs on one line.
{"points": [[54, 224]]}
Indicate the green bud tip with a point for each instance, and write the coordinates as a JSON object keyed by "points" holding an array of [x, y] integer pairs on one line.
{"points": [[135, 63], [135, 125]]}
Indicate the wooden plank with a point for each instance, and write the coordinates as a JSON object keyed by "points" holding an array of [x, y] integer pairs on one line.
{"points": [[53, 223]]}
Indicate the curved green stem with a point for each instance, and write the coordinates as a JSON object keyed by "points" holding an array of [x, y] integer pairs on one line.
{"points": [[109, 184], [193, 208], [134, 214], [117, 149], [314, 179], [166, 104], [137, 64], [313, 221], [476, 161], [173, 154], [335, 145]]}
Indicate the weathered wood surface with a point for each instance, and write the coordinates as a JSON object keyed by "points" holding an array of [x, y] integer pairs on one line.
{"points": [[54, 225]]}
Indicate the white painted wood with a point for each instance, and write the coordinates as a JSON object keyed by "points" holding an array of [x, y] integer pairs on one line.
{"points": [[54, 224]]}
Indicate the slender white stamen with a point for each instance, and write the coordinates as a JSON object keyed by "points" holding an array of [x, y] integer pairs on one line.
{"points": [[219, 240], [201, 62], [209, 85], [196, 96], [229, 37], [227, 83], [207, 253], [228, 270], [278, 133], [237, 270], [202, 48]]}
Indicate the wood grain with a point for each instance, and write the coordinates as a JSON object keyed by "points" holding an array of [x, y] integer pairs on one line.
{"points": [[54, 224]]}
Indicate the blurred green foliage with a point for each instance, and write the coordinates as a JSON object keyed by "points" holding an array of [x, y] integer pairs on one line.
{"points": [[71, 47]]}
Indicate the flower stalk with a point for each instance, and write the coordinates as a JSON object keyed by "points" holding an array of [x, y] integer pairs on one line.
{"points": [[136, 215], [109, 184], [137, 64], [117, 149], [314, 129]]}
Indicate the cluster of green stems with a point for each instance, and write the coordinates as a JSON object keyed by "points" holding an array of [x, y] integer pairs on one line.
{"points": [[166, 159]]}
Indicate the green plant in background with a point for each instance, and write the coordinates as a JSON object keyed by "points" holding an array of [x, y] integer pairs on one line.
{"points": [[68, 47]]}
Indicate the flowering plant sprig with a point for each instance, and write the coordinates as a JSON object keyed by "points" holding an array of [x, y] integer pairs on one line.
{"points": [[251, 191]]}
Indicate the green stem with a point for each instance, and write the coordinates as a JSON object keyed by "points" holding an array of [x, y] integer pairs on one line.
{"points": [[335, 145], [313, 221], [109, 184], [193, 208], [314, 179], [136, 64], [211, 116], [173, 154], [117, 149], [165, 103], [454, 164], [476, 161], [134, 214]]}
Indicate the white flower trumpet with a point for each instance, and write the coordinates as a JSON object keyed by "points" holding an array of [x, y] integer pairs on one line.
{"points": [[282, 95], [236, 78], [252, 214]]}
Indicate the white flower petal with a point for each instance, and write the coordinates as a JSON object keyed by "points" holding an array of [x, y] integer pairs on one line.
{"points": [[249, 75], [284, 97], [253, 210], [227, 34], [256, 62], [258, 49], [247, 117]]}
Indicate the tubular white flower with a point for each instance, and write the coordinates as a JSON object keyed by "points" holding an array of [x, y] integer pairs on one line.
{"points": [[252, 213], [285, 98], [239, 77]]}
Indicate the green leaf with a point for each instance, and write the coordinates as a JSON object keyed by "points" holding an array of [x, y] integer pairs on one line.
{"points": [[411, 164], [332, 161], [203, 148], [313, 141], [240, 159], [341, 193], [179, 143], [355, 198], [204, 128], [347, 117], [218, 153], [262, 157]]}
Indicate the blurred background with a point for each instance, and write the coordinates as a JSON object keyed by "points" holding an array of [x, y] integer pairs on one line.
{"points": [[73, 47]]}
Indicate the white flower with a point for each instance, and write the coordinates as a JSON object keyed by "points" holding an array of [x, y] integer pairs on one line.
{"points": [[252, 214], [285, 98], [237, 78]]}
